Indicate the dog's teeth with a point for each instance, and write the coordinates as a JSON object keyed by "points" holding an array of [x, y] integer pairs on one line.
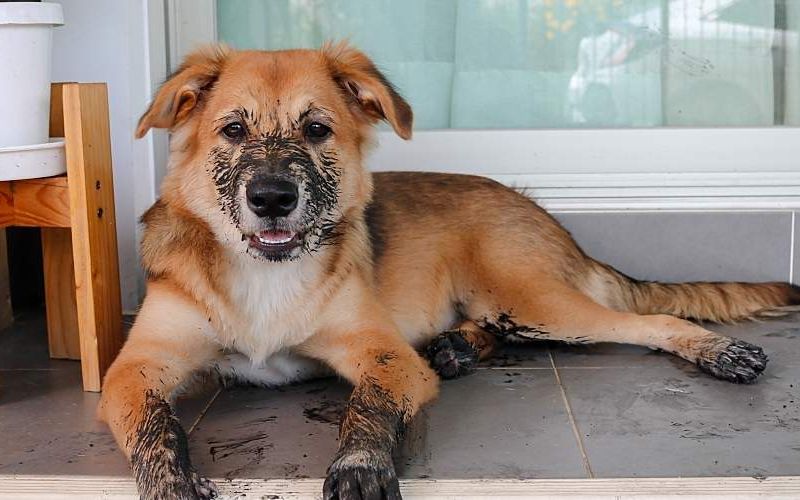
{"points": [[275, 240]]}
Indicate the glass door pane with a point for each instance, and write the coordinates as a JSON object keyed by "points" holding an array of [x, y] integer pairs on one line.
{"points": [[520, 64]]}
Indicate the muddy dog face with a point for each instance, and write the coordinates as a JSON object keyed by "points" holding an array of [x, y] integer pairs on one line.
{"points": [[268, 147]]}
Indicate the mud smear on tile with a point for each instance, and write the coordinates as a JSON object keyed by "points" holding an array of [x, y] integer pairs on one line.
{"points": [[509, 357], [700, 431], [327, 411], [672, 393], [258, 421], [250, 448], [786, 333], [244, 445]]}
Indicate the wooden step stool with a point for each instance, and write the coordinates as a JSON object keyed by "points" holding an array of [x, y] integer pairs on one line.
{"points": [[79, 238]]}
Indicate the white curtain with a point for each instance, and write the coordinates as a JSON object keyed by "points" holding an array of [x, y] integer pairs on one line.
{"points": [[554, 63]]}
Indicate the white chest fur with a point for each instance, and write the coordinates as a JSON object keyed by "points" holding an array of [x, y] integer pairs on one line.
{"points": [[271, 306]]}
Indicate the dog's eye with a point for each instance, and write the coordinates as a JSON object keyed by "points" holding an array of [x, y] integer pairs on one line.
{"points": [[233, 130], [316, 131]]}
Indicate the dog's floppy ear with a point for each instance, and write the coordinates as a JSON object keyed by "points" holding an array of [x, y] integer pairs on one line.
{"points": [[370, 90], [182, 91]]}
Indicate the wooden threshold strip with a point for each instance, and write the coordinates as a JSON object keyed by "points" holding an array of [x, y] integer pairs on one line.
{"points": [[23, 487]]}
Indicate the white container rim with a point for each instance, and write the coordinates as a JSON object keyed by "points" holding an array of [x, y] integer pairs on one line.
{"points": [[31, 13]]}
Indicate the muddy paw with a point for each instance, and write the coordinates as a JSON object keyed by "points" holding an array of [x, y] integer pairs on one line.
{"points": [[450, 355], [186, 488], [205, 488], [360, 479], [737, 362], [160, 457]]}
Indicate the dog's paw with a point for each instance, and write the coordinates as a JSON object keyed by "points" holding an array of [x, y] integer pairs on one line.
{"points": [[160, 457], [180, 487], [362, 476], [736, 361], [205, 488], [450, 355]]}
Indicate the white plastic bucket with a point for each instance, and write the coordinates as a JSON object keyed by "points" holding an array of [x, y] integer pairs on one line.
{"points": [[26, 39]]}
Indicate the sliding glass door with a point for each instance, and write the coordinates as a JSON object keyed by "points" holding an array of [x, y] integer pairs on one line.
{"points": [[592, 99]]}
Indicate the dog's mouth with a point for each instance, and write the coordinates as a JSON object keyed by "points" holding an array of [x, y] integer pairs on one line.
{"points": [[275, 243]]}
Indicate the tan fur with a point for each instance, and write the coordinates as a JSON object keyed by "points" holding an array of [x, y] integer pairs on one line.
{"points": [[717, 302], [415, 254]]}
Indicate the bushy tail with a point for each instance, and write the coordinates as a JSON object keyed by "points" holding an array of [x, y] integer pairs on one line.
{"points": [[718, 302]]}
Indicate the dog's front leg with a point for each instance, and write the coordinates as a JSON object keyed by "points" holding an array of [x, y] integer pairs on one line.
{"points": [[391, 383], [167, 344]]}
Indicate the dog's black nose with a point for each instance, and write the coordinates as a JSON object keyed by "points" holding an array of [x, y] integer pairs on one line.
{"points": [[271, 198]]}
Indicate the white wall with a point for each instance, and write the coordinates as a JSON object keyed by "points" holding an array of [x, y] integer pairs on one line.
{"points": [[110, 41]]}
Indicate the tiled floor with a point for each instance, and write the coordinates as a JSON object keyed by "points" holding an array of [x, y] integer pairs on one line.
{"points": [[538, 411]]}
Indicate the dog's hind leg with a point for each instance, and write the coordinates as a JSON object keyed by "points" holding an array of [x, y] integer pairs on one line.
{"points": [[551, 310], [455, 352], [166, 346]]}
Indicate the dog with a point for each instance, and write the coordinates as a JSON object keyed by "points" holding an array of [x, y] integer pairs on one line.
{"points": [[273, 253]]}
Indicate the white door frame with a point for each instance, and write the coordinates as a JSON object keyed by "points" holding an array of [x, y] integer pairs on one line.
{"points": [[582, 169]]}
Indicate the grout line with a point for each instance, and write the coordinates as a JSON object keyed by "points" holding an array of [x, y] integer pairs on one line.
{"points": [[512, 368], [29, 369], [792, 241], [523, 368], [575, 431], [203, 411]]}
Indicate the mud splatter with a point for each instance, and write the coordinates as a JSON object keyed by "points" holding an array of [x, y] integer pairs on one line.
{"points": [[326, 412], [384, 357], [504, 325], [253, 444]]}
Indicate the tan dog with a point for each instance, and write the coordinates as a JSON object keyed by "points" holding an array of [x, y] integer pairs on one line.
{"points": [[269, 248]]}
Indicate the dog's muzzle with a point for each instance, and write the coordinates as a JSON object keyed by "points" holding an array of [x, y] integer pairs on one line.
{"points": [[270, 197], [273, 200]]}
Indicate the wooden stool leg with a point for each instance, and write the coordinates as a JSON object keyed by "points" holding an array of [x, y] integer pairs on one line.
{"points": [[59, 293], [94, 237], [6, 314]]}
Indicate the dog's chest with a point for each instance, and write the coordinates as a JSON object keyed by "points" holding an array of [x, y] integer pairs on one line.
{"points": [[270, 307]]}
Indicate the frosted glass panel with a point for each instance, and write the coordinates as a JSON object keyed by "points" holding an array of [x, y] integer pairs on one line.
{"points": [[556, 63]]}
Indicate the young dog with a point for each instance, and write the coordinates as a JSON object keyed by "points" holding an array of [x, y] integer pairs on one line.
{"points": [[272, 245]]}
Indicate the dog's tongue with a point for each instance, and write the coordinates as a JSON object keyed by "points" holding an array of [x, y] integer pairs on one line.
{"points": [[275, 237]]}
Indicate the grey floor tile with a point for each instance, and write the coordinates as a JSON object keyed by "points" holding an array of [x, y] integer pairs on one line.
{"points": [[53, 422], [597, 356], [656, 422], [252, 432], [640, 414], [745, 246], [528, 355], [493, 423], [53, 426], [25, 345]]}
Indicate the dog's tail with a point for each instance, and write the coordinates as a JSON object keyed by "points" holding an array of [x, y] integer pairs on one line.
{"points": [[705, 301]]}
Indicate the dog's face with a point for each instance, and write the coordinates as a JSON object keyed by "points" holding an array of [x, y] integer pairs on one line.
{"points": [[268, 147]]}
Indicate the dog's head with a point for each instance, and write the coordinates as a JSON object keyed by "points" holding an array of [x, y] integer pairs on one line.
{"points": [[268, 147]]}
